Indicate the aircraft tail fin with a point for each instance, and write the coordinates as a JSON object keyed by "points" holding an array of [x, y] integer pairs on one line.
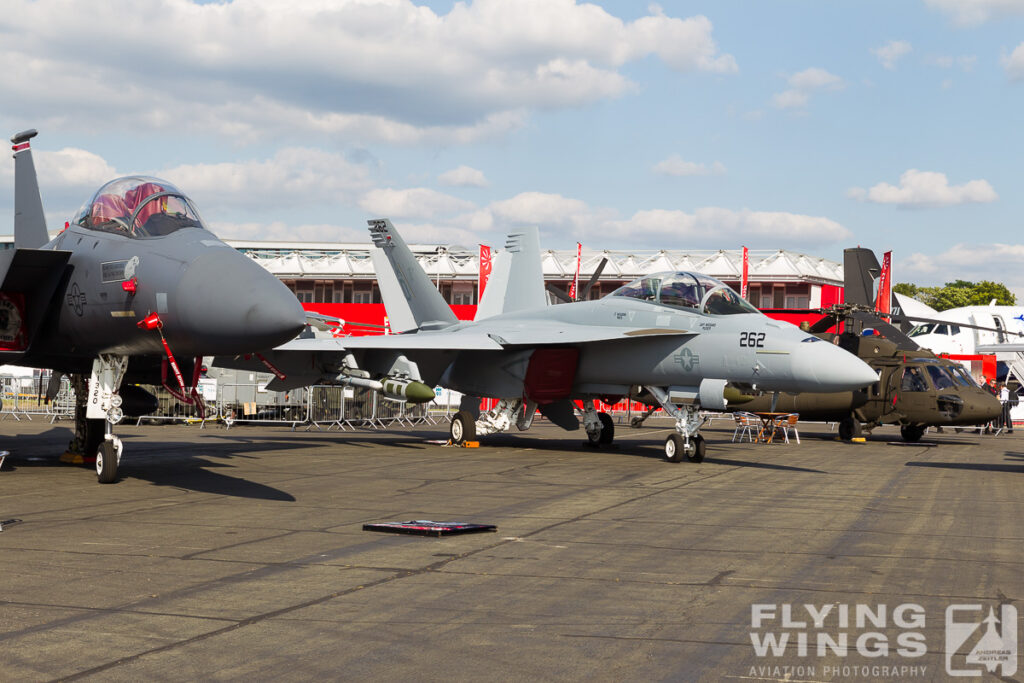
{"points": [[29, 222], [860, 268], [409, 296], [517, 279]]}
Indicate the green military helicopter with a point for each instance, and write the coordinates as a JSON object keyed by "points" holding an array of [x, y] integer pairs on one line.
{"points": [[915, 389]]}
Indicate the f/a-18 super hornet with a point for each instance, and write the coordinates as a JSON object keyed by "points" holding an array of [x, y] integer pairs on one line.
{"points": [[683, 336], [135, 289]]}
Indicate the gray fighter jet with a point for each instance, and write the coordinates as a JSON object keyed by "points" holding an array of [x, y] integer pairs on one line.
{"points": [[682, 336], [135, 289]]}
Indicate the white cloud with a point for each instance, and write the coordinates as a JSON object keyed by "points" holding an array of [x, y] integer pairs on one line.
{"points": [[1014, 63], [389, 70], [965, 63], [293, 176], [891, 52], [718, 226], [926, 189], [970, 261], [974, 12], [463, 176], [284, 232], [804, 83], [676, 166], [417, 202]]}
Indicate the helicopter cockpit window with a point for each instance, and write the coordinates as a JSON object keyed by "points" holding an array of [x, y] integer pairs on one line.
{"points": [[962, 377], [686, 290], [139, 207], [941, 378], [913, 380]]}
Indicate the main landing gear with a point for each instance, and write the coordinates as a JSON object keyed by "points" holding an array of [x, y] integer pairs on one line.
{"points": [[97, 410], [686, 442], [599, 426], [499, 419]]}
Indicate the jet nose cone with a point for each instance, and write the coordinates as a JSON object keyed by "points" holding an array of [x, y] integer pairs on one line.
{"points": [[227, 304], [824, 367]]}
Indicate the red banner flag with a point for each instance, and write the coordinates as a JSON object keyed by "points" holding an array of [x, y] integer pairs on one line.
{"points": [[574, 288], [883, 304], [746, 273], [485, 270]]}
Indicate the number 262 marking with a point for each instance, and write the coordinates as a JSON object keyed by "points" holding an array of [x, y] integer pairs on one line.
{"points": [[752, 339]]}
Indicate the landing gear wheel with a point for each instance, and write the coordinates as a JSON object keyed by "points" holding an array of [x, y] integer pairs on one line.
{"points": [[636, 422], [697, 449], [463, 427], [849, 428], [607, 434], [106, 462], [674, 446], [912, 433]]}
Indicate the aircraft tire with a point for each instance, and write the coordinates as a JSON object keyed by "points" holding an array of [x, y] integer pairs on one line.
{"points": [[106, 463], [607, 429], [912, 433], [463, 427], [698, 448], [849, 428], [636, 422], [674, 448]]}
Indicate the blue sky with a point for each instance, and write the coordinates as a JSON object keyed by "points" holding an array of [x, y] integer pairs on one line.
{"points": [[809, 126]]}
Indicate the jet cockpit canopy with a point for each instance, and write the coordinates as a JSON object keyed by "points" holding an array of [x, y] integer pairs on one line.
{"points": [[687, 290], [138, 206]]}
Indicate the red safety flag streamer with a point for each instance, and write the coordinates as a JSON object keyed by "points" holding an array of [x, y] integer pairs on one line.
{"points": [[574, 288], [153, 322], [883, 304], [746, 273]]}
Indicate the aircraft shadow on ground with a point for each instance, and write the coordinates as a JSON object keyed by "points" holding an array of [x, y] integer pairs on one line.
{"points": [[185, 465], [977, 466]]}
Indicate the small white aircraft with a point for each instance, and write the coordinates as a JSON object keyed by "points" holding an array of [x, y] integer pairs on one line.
{"points": [[964, 330]]}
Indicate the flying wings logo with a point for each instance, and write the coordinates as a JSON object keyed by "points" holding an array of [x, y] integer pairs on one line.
{"points": [[975, 642]]}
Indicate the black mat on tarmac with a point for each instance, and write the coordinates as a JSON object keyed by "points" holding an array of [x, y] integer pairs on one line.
{"points": [[239, 555]]}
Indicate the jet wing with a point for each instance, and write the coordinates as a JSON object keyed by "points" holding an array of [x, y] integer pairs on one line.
{"points": [[539, 333]]}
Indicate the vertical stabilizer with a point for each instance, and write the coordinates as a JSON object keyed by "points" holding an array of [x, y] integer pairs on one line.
{"points": [[29, 223], [409, 296], [517, 281], [860, 268]]}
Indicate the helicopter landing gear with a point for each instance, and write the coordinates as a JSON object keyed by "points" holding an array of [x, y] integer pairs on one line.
{"points": [[849, 428], [912, 433]]}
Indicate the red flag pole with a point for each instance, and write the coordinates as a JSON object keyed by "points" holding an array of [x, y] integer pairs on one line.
{"points": [[574, 289], [746, 273], [484, 270], [883, 304]]}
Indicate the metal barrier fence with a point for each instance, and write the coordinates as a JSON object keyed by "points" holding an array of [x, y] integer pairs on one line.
{"points": [[22, 398], [229, 403]]}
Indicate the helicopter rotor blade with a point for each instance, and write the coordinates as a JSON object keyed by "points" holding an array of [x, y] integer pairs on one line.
{"points": [[593, 278], [558, 293]]}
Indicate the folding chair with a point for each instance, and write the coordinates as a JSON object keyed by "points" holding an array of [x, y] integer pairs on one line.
{"points": [[746, 423], [787, 423]]}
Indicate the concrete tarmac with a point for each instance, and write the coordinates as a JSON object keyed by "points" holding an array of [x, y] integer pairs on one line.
{"points": [[239, 555]]}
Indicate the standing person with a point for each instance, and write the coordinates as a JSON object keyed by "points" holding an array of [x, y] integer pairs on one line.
{"points": [[990, 386], [1004, 400]]}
